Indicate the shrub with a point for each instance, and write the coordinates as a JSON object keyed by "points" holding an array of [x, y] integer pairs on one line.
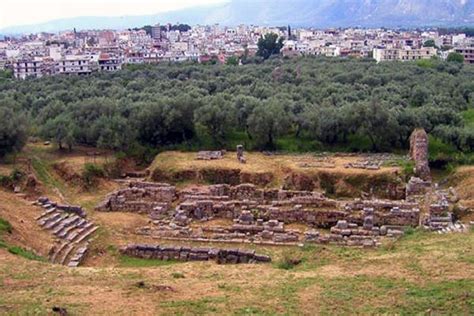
{"points": [[5, 226], [91, 173], [9, 181], [289, 261]]}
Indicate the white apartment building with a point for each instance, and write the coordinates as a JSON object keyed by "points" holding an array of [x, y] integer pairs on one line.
{"points": [[330, 51], [75, 65], [31, 68], [403, 54]]}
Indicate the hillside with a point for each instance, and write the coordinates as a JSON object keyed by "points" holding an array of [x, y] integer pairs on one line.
{"points": [[25, 233], [419, 272]]}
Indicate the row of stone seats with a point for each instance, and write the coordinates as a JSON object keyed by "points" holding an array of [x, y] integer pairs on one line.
{"points": [[221, 256], [69, 226]]}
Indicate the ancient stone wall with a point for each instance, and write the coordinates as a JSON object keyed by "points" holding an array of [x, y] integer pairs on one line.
{"points": [[221, 256], [417, 186], [76, 209], [385, 212], [140, 197], [419, 153], [312, 208]]}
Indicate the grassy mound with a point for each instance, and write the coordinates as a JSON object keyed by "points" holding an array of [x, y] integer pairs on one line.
{"points": [[299, 172]]}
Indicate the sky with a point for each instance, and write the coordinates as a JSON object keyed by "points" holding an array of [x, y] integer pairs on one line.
{"points": [[20, 12]]}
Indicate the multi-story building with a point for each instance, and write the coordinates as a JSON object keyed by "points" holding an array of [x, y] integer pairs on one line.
{"points": [[32, 68], [111, 48], [156, 32], [109, 62], [404, 54], [75, 64], [468, 53]]}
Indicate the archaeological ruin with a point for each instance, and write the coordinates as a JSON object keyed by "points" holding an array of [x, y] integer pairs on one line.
{"points": [[247, 213], [69, 225], [251, 214], [221, 256]]}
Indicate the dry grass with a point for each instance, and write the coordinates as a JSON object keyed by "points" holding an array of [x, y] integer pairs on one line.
{"points": [[463, 181], [21, 215], [76, 158], [272, 170], [5, 170], [257, 163], [424, 271]]}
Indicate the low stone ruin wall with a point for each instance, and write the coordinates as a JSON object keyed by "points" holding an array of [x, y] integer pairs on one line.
{"points": [[78, 210], [248, 191], [221, 256], [297, 207], [317, 218], [417, 186], [386, 212], [139, 197], [225, 201], [210, 155]]}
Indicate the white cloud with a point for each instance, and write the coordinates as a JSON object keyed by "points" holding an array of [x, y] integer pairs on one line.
{"points": [[19, 12]]}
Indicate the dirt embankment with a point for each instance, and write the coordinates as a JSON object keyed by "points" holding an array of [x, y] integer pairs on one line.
{"points": [[22, 216], [298, 172], [68, 173], [463, 181]]}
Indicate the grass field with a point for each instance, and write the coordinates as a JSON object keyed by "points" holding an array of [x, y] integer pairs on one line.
{"points": [[421, 274]]}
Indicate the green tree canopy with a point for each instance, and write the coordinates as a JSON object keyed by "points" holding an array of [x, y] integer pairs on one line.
{"points": [[455, 57], [13, 131], [269, 45], [267, 121]]}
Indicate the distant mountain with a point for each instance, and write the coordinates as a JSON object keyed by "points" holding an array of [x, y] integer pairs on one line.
{"points": [[316, 13]]}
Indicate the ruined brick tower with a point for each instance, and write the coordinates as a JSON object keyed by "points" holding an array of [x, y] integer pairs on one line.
{"points": [[419, 153]]}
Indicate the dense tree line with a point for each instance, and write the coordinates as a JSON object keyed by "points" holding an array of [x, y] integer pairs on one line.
{"points": [[355, 104]]}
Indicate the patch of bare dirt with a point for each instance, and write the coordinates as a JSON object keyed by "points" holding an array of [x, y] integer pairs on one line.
{"points": [[22, 216]]}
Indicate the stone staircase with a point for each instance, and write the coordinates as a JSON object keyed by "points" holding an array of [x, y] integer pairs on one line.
{"points": [[71, 229], [445, 224], [457, 227]]}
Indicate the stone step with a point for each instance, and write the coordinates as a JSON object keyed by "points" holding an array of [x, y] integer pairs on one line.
{"points": [[446, 219], [439, 224], [46, 213], [76, 231], [65, 232], [82, 222], [60, 227], [54, 223], [45, 221], [64, 224], [66, 253], [69, 224], [58, 251], [87, 234], [78, 256]]}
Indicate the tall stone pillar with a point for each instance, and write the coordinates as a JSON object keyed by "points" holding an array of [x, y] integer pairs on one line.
{"points": [[419, 153]]}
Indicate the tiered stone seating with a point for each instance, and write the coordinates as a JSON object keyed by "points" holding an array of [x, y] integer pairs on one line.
{"points": [[73, 231]]}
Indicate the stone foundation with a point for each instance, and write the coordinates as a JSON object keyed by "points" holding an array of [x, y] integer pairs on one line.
{"points": [[140, 197], [221, 256]]}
